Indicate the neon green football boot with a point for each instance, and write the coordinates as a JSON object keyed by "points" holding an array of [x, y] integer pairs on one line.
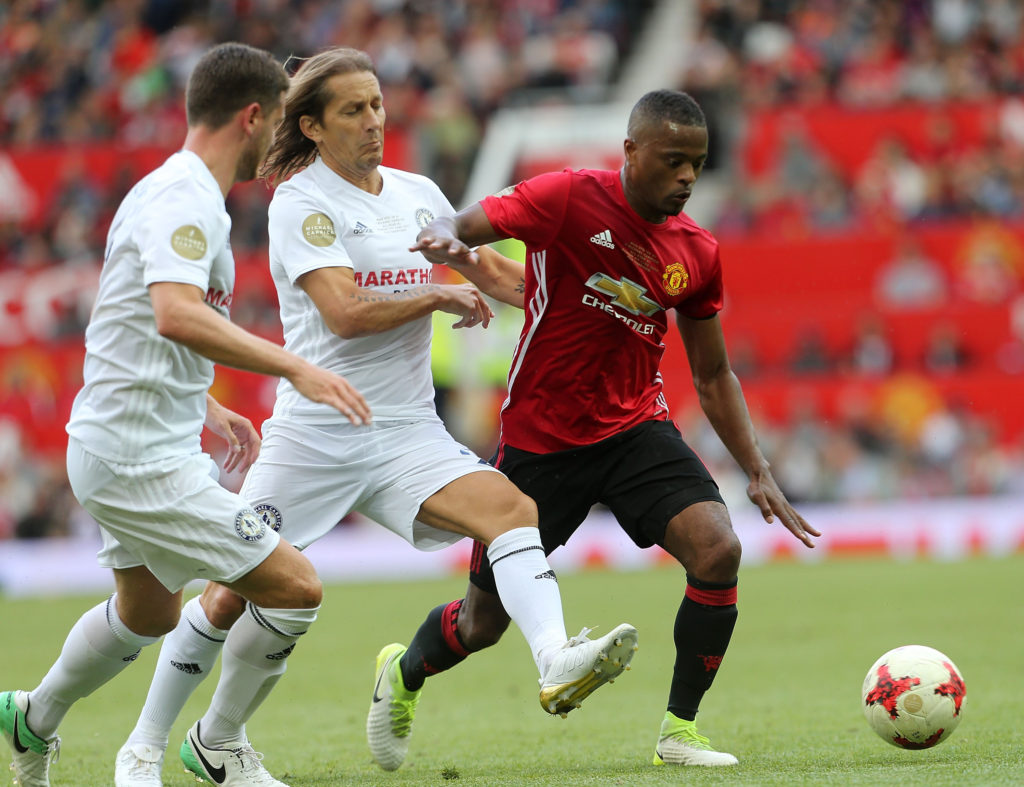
{"points": [[392, 710], [679, 743]]}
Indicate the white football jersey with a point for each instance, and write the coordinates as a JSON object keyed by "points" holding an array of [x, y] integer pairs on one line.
{"points": [[144, 396], [320, 220]]}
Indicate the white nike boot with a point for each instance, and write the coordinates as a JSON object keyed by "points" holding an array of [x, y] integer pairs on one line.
{"points": [[235, 766]]}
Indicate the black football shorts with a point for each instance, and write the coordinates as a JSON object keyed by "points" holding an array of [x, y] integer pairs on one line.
{"points": [[645, 476]]}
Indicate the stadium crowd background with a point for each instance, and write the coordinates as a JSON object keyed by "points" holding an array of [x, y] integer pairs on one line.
{"points": [[868, 158]]}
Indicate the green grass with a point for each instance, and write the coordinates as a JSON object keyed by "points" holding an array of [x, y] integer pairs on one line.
{"points": [[786, 701]]}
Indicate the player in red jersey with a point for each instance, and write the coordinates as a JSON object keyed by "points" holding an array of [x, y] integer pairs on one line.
{"points": [[585, 421]]}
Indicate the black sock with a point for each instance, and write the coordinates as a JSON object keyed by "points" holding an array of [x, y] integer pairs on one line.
{"points": [[703, 628], [436, 646]]}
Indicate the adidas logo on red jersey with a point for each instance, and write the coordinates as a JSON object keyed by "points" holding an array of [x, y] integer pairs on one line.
{"points": [[603, 238]]}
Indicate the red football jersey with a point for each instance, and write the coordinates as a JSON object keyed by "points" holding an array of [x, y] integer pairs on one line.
{"points": [[599, 280]]}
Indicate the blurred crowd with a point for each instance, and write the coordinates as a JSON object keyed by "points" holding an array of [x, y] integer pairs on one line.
{"points": [[84, 71], [79, 72], [864, 55], [862, 457], [859, 53]]}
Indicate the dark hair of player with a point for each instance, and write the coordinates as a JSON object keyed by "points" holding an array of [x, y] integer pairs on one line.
{"points": [[229, 77], [659, 106]]}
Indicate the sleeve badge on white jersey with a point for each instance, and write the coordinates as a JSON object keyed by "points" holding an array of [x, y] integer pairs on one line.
{"points": [[270, 515], [318, 230], [189, 242], [249, 526], [423, 217]]}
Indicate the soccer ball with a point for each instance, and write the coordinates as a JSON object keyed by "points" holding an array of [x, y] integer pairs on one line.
{"points": [[913, 697]]}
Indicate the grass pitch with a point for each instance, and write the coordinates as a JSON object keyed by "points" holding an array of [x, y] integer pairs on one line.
{"points": [[786, 701]]}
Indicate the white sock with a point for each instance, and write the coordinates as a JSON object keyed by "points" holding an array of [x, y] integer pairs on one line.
{"points": [[254, 660], [97, 648], [186, 658], [529, 590]]}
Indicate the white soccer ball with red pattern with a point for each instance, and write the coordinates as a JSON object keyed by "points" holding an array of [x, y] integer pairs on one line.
{"points": [[913, 697]]}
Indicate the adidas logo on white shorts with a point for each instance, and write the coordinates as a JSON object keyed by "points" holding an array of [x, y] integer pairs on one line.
{"points": [[603, 239]]}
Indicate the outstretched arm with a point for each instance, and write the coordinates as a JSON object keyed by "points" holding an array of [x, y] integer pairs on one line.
{"points": [[450, 241], [499, 276], [721, 399], [350, 310], [183, 316]]}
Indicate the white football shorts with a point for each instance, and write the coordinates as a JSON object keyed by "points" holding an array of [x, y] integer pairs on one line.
{"points": [[308, 478], [170, 516]]}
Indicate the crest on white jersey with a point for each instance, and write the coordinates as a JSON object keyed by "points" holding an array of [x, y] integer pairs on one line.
{"points": [[249, 526], [423, 217], [270, 515]]}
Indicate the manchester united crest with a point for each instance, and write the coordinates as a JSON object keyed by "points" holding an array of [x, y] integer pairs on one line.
{"points": [[675, 279]]}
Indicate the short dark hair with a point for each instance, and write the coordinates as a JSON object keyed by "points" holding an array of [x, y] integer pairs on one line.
{"points": [[229, 77], [674, 106], [308, 94]]}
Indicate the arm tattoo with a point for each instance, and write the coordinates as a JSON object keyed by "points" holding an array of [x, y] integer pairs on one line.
{"points": [[374, 296], [521, 287]]}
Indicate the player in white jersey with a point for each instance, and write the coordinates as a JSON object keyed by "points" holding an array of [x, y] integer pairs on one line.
{"points": [[134, 457], [356, 301]]}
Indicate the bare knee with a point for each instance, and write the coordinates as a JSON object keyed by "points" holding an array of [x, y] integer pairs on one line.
{"points": [[150, 622], [221, 606], [720, 561], [144, 605], [524, 511], [304, 592], [166, 623], [702, 539], [480, 505], [314, 594], [288, 583], [515, 510], [510, 512]]}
